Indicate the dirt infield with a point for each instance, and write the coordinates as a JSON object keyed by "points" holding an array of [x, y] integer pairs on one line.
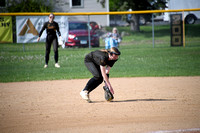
{"points": [[141, 105]]}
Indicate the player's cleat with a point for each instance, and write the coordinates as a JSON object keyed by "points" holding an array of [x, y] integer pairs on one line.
{"points": [[85, 96], [57, 65], [45, 66]]}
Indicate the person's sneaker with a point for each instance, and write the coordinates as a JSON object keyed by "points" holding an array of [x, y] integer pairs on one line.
{"points": [[45, 66], [85, 96], [57, 65]]}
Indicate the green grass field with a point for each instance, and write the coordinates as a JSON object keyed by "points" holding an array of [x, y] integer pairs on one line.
{"points": [[138, 59]]}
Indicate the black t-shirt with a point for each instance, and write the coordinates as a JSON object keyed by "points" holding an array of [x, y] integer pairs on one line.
{"points": [[100, 58], [50, 28]]}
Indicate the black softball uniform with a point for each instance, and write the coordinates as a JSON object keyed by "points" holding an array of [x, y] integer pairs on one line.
{"points": [[93, 61], [51, 29]]}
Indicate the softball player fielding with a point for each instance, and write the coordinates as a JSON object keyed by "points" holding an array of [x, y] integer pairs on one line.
{"points": [[99, 63]]}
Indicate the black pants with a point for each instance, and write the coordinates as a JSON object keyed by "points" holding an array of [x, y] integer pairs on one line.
{"points": [[49, 40], [97, 76]]}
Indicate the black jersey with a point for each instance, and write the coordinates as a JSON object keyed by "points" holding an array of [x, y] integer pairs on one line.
{"points": [[51, 28], [100, 58]]}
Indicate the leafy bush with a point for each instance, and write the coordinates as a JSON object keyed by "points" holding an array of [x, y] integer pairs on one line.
{"points": [[29, 6]]}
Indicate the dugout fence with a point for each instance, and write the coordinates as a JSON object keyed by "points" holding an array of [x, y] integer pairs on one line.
{"points": [[159, 29]]}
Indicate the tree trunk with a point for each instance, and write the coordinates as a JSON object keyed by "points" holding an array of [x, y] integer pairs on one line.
{"points": [[134, 23]]}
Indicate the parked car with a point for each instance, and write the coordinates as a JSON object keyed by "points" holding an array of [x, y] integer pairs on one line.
{"points": [[78, 35], [189, 16], [144, 18]]}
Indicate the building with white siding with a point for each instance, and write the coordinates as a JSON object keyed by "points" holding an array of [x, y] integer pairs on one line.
{"points": [[83, 6]]}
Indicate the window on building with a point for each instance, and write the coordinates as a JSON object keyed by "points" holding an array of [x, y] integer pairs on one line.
{"points": [[76, 3]]}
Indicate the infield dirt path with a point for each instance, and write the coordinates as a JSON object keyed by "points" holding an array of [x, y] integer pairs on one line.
{"points": [[141, 105]]}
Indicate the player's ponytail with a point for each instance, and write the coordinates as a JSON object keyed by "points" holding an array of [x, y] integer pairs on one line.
{"points": [[115, 51], [104, 50]]}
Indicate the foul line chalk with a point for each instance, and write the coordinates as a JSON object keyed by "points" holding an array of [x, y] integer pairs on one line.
{"points": [[177, 131]]}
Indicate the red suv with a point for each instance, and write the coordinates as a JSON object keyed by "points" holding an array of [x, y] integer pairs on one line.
{"points": [[78, 35]]}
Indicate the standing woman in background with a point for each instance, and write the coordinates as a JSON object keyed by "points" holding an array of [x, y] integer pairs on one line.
{"points": [[51, 28], [113, 39]]}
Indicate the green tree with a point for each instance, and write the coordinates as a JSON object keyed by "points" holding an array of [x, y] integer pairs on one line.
{"points": [[29, 6], [136, 5]]}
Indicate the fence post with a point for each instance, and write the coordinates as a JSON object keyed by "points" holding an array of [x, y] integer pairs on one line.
{"points": [[89, 31], [183, 29], [153, 31], [23, 47]]}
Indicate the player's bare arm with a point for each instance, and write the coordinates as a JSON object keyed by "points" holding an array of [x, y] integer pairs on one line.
{"points": [[108, 69], [105, 77]]}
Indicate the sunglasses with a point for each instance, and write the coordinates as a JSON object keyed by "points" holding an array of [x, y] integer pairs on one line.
{"points": [[50, 16]]}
